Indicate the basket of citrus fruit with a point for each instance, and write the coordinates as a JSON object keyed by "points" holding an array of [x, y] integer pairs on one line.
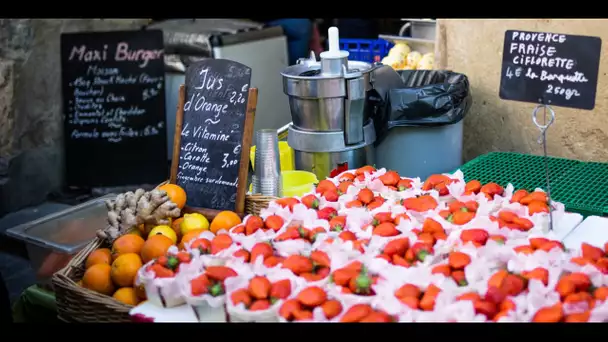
{"points": [[99, 283]]}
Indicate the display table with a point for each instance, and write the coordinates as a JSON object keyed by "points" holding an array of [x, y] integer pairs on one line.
{"points": [[35, 305]]}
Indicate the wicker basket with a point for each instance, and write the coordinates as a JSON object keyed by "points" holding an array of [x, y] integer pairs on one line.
{"points": [[255, 203], [78, 304]]}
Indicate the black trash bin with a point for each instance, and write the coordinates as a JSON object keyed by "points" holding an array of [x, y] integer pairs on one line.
{"points": [[419, 124]]}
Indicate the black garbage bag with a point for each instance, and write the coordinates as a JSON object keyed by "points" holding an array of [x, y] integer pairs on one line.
{"points": [[425, 98]]}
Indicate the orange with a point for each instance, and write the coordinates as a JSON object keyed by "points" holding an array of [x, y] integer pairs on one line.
{"points": [[140, 290], [124, 269], [176, 226], [98, 279], [127, 296], [176, 194], [189, 237], [156, 246], [129, 243], [99, 256], [224, 220]]}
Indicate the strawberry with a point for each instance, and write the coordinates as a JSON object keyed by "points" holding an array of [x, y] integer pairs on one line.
{"points": [[252, 224], [397, 246], [479, 236], [421, 250], [325, 185], [288, 202], [262, 249], [312, 296], [327, 213], [473, 186], [365, 196], [331, 308], [260, 305], [241, 296], [365, 169], [320, 258], [298, 264], [337, 223], [390, 178], [280, 289], [310, 201], [458, 260], [347, 236], [386, 229], [356, 313], [404, 184], [382, 218], [274, 222], [259, 287], [591, 252], [288, 308], [331, 195], [220, 273]]}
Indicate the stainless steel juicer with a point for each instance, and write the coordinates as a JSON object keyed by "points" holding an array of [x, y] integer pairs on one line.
{"points": [[331, 128]]}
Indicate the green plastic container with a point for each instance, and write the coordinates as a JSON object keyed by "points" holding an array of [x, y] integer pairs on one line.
{"points": [[582, 187]]}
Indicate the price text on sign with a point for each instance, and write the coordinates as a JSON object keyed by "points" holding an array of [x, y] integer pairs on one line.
{"points": [[550, 68], [114, 104], [212, 132]]}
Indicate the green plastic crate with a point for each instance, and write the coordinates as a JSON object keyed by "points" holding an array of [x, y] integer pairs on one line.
{"points": [[586, 189], [582, 187]]}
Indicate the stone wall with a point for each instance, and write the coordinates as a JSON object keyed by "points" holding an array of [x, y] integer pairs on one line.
{"points": [[31, 118]]}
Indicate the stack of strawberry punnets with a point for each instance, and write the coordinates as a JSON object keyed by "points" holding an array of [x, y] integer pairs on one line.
{"points": [[372, 246]]}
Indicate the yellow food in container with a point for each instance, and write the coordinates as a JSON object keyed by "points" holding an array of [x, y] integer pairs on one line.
{"points": [[297, 183]]}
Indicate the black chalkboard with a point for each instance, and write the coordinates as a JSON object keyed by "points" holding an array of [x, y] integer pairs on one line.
{"points": [[212, 132], [550, 68], [114, 104]]}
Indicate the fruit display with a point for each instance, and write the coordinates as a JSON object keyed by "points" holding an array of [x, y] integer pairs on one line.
{"points": [[143, 231], [372, 246], [401, 57], [366, 246]]}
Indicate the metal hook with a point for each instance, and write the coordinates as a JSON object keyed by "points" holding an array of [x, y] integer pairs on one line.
{"points": [[543, 128]]}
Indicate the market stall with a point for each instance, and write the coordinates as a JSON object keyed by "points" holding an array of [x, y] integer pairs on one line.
{"points": [[354, 241]]}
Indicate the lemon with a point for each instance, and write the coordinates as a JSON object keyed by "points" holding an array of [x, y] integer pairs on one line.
{"points": [[164, 230], [192, 222]]}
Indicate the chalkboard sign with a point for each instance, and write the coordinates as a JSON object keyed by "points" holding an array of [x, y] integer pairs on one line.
{"points": [[114, 104], [550, 68], [215, 127]]}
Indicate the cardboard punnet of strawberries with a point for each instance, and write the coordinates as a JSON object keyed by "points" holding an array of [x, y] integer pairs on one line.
{"points": [[369, 245]]}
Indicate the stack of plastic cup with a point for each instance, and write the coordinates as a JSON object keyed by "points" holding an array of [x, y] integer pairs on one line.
{"points": [[267, 180]]}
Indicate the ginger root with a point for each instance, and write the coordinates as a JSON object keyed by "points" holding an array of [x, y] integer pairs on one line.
{"points": [[135, 208]]}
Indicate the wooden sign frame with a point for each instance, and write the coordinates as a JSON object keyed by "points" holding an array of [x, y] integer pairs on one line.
{"points": [[243, 173]]}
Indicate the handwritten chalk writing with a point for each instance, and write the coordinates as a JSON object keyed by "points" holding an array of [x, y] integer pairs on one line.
{"points": [[544, 61], [550, 68], [228, 163], [88, 92], [215, 101], [209, 82], [124, 54], [88, 55], [577, 77], [538, 36], [566, 92], [114, 98], [532, 49], [201, 104], [234, 98], [194, 167], [99, 71], [203, 133]]}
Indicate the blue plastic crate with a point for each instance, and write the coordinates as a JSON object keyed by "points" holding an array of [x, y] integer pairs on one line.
{"points": [[366, 50]]}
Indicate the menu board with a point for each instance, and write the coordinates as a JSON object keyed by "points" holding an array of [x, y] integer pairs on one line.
{"points": [[114, 104], [212, 133], [550, 68]]}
